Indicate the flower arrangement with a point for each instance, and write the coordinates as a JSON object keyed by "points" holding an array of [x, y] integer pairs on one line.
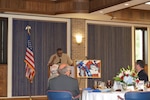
{"points": [[127, 76]]}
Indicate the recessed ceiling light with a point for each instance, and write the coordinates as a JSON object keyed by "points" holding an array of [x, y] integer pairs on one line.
{"points": [[148, 3], [126, 4]]}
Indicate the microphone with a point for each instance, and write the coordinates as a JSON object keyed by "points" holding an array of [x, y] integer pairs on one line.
{"points": [[59, 61]]}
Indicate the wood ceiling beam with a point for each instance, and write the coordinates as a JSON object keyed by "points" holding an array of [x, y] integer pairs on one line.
{"points": [[131, 15], [69, 6], [45, 6], [101, 4]]}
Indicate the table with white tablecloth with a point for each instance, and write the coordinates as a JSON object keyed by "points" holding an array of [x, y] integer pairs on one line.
{"points": [[89, 95]]}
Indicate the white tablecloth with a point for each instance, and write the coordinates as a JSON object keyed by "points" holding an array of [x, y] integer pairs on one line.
{"points": [[87, 95]]}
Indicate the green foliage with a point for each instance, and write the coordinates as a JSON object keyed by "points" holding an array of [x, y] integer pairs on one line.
{"points": [[117, 79]]}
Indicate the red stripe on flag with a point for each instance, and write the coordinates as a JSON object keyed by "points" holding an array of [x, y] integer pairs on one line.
{"points": [[29, 59], [29, 64], [30, 52], [29, 72]]}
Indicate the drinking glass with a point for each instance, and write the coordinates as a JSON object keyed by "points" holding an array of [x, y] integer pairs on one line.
{"points": [[103, 85], [108, 84], [124, 86], [147, 84], [95, 84], [99, 84]]}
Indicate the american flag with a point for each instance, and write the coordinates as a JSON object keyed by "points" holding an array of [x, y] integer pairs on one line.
{"points": [[29, 60]]}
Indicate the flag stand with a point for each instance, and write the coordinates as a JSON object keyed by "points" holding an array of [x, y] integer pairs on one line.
{"points": [[29, 57], [30, 90]]}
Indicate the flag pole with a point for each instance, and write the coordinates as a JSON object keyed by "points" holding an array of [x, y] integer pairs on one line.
{"points": [[30, 89], [28, 30]]}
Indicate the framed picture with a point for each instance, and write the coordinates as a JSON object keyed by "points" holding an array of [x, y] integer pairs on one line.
{"points": [[88, 68]]}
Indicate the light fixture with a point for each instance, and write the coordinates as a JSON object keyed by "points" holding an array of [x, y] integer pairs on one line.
{"points": [[126, 4], [148, 3], [78, 38], [101, 12]]}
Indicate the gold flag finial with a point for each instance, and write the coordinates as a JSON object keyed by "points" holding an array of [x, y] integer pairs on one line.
{"points": [[28, 29]]}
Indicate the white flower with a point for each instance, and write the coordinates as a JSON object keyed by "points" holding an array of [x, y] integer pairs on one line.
{"points": [[121, 74], [128, 72], [126, 75]]}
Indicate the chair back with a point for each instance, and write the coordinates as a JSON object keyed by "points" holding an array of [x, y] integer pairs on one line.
{"points": [[137, 96], [59, 95]]}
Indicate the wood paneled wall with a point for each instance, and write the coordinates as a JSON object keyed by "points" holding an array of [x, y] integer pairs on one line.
{"points": [[101, 4], [44, 6], [146, 68], [3, 80], [131, 15]]}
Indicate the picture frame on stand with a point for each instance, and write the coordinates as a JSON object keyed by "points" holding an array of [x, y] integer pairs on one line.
{"points": [[88, 68]]}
